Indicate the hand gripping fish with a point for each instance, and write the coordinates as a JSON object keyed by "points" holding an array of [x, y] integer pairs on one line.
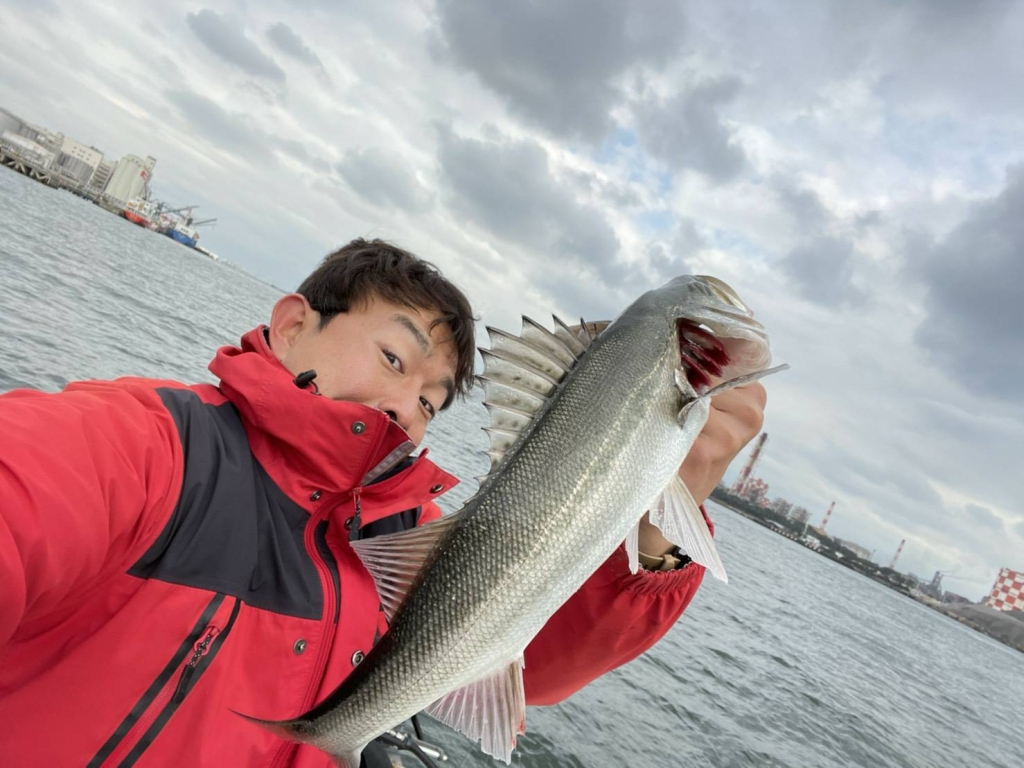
{"points": [[586, 435]]}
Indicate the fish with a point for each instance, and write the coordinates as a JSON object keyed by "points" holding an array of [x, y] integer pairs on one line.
{"points": [[587, 432]]}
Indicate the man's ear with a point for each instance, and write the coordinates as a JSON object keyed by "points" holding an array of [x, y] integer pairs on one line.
{"points": [[291, 316]]}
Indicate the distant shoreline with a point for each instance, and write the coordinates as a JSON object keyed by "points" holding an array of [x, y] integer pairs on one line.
{"points": [[999, 625]]}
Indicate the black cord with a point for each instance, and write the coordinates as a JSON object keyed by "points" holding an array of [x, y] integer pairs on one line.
{"points": [[410, 746]]}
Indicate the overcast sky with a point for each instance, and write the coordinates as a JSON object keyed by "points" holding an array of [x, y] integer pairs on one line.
{"points": [[853, 169]]}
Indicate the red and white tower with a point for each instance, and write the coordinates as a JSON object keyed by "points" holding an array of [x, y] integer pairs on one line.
{"points": [[827, 516], [1008, 591], [740, 487], [892, 565]]}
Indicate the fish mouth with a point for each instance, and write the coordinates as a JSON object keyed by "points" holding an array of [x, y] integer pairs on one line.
{"points": [[701, 354], [718, 335]]}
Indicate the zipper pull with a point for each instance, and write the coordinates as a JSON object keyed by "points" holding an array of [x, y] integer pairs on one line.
{"points": [[353, 523], [190, 667]]}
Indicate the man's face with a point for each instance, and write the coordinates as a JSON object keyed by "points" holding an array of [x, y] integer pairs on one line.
{"points": [[378, 354]]}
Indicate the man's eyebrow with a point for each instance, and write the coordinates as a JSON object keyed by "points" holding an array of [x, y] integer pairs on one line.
{"points": [[410, 326], [425, 345]]}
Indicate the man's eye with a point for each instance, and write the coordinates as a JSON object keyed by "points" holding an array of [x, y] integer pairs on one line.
{"points": [[393, 360], [426, 404]]}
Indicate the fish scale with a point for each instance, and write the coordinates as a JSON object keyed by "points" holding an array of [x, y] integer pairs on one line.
{"points": [[601, 450]]}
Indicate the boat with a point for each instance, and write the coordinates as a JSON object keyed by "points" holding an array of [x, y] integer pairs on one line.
{"points": [[183, 231], [179, 225], [141, 211]]}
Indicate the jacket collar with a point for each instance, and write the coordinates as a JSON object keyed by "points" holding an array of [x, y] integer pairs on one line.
{"points": [[309, 443]]}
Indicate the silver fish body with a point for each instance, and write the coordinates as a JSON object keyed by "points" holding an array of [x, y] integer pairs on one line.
{"points": [[564, 495]]}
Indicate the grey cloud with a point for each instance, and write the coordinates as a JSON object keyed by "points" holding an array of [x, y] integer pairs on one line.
{"points": [[1019, 529], [984, 517], [667, 260], [287, 41], [975, 296], [383, 180], [235, 132], [803, 205], [507, 186], [687, 131], [229, 41], [823, 263], [230, 131], [557, 63], [618, 195], [821, 269]]}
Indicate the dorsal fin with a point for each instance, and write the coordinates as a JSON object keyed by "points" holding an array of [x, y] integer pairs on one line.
{"points": [[507, 369], [541, 337], [543, 360], [584, 334], [565, 334], [521, 374]]}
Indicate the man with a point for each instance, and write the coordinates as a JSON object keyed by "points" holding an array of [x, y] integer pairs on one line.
{"points": [[170, 554]]}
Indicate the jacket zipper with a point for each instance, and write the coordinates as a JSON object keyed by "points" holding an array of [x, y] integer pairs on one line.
{"points": [[332, 606], [332, 611], [169, 690], [202, 647]]}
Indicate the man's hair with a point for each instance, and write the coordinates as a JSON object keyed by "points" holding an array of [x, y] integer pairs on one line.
{"points": [[364, 269]]}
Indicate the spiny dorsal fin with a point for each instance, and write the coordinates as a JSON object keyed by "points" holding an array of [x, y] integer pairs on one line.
{"points": [[566, 335], [505, 368], [543, 360], [508, 396], [521, 374], [508, 418], [501, 439], [542, 338]]}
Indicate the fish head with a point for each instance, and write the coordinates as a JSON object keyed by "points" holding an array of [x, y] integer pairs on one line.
{"points": [[715, 331]]}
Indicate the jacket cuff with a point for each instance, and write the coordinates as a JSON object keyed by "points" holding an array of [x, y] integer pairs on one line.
{"points": [[652, 582]]}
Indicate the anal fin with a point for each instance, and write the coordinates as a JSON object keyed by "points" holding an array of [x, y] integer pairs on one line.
{"points": [[492, 710]]}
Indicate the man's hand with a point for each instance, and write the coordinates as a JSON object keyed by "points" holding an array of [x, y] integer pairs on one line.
{"points": [[735, 419]]}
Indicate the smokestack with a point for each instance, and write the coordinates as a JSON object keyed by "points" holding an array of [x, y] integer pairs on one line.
{"points": [[892, 565], [827, 516], [745, 474]]}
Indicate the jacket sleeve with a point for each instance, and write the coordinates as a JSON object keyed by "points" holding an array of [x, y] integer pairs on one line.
{"points": [[88, 477], [613, 618]]}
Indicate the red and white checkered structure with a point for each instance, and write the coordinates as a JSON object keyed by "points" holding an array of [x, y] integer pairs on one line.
{"points": [[1008, 592]]}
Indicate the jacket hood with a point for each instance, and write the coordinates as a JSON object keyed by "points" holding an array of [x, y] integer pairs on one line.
{"points": [[314, 446]]}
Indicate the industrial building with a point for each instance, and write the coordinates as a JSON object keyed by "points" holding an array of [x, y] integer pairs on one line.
{"points": [[862, 552], [130, 179], [800, 515], [75, 165]]}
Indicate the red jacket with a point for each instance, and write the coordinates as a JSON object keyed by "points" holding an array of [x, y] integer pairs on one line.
{"points": [[171, 553]]}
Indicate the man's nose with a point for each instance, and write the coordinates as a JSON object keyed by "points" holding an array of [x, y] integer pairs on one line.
{"points": [[405, 412]]}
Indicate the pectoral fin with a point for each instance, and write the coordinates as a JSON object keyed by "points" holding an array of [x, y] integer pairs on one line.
{"points": [[491, 710], [677, 515], [633, 548]]}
